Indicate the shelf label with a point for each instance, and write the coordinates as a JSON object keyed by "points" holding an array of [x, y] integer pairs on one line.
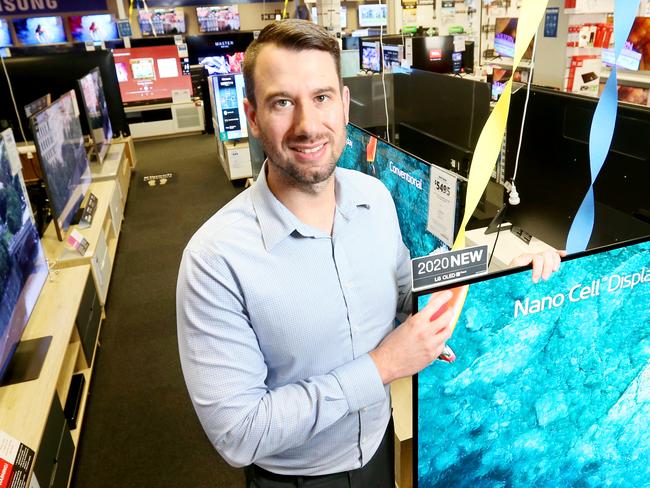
{"points": [[442, 204]]}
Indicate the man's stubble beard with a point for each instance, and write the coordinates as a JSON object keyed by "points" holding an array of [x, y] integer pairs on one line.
{"points": [[291, 173]]}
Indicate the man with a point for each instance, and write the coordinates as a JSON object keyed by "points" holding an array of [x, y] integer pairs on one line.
{"points": [[287, 296]]}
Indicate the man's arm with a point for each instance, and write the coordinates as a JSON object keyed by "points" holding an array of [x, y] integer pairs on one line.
{"points": [[225, 373]]}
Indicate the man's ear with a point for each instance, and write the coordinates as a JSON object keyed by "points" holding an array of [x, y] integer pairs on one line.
{"points": [[345, 95], [251, 115]]}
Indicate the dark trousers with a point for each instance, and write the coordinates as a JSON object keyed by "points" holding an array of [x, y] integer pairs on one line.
{"points": [[379, 472]]}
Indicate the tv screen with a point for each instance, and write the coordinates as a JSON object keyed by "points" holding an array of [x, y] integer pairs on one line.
{"points": [[500, 78], [161, 21], [37, 105], [434, 54], [505, 34], [373, 15], [62, 156], [5, 35], [392, 57], [147, 74], [558, 158], [370, 57], [551, 381], [408, 180], [94, 103], [229, 94], [218, 19], [636, 53], [223, 65], [39, 30], [23, 268], [100, 27], [220, 44]]}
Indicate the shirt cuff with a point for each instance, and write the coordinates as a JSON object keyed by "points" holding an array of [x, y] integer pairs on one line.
{"points": [[361, 383]]}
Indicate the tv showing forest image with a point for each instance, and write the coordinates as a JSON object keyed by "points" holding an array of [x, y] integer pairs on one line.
{"points": [[62, 155], [23, 269]]}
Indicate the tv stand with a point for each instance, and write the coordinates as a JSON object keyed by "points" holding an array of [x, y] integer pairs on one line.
{"points": [[165, 119], [27, 361]]}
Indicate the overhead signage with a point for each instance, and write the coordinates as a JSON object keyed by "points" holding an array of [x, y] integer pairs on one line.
{"points": [[39, 7], [193, 3]]}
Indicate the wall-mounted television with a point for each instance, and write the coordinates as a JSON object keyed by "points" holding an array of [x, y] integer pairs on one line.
{"points": [[161, 21], [62, 155], [373, 15], [94, 104], [147, 74], [100, 27], [229, 94], [39, 30], [370, 56], [5, 34], [23, 269], [505, 34], [217, 44], [218, 19], [551, 381]]}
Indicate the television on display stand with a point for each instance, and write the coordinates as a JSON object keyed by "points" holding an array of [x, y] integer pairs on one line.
{"points": [[94, 103], [23, 271], [62, 155]]}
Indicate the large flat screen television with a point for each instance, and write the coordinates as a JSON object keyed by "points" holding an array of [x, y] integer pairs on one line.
{"points": [[373, 15], [5, 35], [636, 53], [39, 30], [551, 382], [218, 19], [94, 104], [409, 181], [224, 64], [229, 94], [553, 174], [62, 155], [217, 45], [100, 27], [161, 21], [23, 268], [148, 74], [505, 35]]}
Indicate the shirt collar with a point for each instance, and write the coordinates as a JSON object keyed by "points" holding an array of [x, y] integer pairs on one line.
{"points": [[277, 222]]}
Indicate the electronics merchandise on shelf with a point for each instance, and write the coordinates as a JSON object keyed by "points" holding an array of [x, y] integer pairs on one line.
{"points": [[218, 19], [94, 104], [229, 94], [39, 30], [161, 21]]}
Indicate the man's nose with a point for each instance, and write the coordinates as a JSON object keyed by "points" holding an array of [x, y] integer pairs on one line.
{"points": [[306, 119]]}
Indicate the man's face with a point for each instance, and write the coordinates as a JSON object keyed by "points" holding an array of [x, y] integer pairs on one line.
{"points": [[301, 114]]}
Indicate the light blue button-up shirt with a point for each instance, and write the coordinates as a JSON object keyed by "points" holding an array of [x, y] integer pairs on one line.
{"points": [[275, 322]]}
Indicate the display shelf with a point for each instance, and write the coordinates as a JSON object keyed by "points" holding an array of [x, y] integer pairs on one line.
{"points": [[102, 236], [67, 369], [632, 78], [402, 403], [24, 407]]}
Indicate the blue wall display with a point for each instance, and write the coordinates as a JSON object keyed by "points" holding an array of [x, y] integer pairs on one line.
{"points": [[551, 385], [407, 179]]}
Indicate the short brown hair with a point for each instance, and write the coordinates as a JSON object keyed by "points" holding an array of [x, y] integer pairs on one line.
{"points": [[294, 34]]}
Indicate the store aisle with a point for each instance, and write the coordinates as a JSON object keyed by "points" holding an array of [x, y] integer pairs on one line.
{"points": [[140, 429]]}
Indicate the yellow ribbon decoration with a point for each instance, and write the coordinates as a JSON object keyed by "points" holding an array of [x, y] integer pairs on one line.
{"points": [[489, 142]]}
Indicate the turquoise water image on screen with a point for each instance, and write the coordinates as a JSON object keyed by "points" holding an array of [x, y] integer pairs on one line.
{"points": [[551, 385], [407, 179]]}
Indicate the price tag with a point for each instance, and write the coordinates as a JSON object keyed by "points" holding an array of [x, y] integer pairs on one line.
{"points": [[442, 204], [449, 266], [124, 28]]}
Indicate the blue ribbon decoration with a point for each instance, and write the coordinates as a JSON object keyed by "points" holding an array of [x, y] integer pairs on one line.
{"points": [[602, 129]]}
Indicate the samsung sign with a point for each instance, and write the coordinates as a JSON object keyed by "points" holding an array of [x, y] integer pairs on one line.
{"points": [[19, 7]]}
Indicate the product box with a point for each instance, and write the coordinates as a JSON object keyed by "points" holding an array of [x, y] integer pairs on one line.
{"points": [[15, 462], [584, 75]]}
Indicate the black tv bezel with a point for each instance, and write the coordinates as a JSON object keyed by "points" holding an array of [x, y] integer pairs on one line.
{"points": [[499, 274]]}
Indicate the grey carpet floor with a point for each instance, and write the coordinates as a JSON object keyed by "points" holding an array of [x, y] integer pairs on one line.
{"points": [[140, 429]]}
